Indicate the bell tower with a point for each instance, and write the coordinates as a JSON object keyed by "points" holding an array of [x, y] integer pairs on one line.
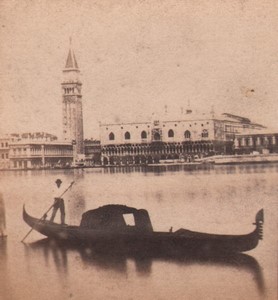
{"points": [[72, 104]]}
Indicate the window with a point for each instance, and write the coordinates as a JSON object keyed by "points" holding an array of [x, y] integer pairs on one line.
{"points": [[187, 134], [170, 133], [111, 136], [129, 219], [127, 135], [204, 133], [143, 135], [156, 136]]}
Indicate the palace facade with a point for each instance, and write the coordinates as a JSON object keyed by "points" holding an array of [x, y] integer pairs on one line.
{"points": [[188, 136]]}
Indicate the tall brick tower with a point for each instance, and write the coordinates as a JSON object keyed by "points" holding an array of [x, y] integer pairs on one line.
{"points": [[72, 104]]}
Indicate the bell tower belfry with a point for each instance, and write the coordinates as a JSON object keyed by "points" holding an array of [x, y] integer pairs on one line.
{"points": [[72, 104]]}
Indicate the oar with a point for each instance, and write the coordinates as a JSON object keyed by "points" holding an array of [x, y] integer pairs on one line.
{"points": [[46, 213]]}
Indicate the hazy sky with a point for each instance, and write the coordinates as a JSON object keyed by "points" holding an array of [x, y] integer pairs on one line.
{"points": [[136, 57]]}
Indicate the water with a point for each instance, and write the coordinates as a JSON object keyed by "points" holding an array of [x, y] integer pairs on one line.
{"points": [[219, 199]]}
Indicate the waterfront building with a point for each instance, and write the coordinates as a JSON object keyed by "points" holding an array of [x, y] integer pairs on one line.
{"points": [[72, 104], [187, 137], [262, 142], [38, 150], [92, 150], [4, 152]]}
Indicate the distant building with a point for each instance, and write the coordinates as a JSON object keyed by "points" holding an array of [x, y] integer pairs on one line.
{"points": [[4, 152], [92, 150], [38, 150], [72, 104], [185, 137], [262, 142]]}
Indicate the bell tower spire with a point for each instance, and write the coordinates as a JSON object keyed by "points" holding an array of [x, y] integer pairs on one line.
{"points": [[71, 62], [72, 103]]}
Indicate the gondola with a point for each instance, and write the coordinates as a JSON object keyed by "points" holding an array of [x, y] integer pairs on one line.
{"points": [[106, 229]]}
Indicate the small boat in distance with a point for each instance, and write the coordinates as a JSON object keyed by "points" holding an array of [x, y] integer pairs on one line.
{"points": [[108, 227]]}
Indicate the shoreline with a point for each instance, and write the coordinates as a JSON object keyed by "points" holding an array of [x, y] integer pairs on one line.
{"points": [[220, 160]]}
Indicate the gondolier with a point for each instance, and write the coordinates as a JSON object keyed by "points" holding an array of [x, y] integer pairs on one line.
{"points": [[58, 202]]}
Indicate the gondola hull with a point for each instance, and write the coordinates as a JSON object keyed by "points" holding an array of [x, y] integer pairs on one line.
{"points": [[181, 241]]}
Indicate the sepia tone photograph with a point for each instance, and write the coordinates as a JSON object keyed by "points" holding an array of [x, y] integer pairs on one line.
{"points": [[138, 149]]}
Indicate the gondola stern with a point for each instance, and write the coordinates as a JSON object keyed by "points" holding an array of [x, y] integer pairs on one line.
{"points": [[260, 216], [259, 221]]}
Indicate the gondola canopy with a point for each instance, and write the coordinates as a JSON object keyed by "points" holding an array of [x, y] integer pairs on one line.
{"points": [[112, 217]]}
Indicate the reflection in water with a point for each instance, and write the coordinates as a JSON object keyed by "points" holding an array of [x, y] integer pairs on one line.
{"points": [[50, 250], [123, 169], [117, 261], [218, 169], [3, 252], [78, 174], [247, 168]]}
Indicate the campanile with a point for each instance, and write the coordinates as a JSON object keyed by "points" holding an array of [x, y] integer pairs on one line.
{"points": [[72, 104]]}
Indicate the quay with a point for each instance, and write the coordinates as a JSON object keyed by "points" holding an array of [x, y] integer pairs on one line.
{"points": [[242, 159]]}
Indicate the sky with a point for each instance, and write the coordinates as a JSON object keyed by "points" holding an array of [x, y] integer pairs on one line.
{"points": [[135, 58]]}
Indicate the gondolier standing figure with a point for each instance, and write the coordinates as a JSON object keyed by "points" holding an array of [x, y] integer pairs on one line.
{"points": [[58, 203]]}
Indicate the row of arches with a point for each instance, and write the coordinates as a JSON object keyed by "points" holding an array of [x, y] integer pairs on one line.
{"points": [[157, 135], [164, 149], [255, 141]]}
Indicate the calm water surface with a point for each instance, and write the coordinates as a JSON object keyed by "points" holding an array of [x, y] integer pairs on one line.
{"points": [[219, 199]]}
